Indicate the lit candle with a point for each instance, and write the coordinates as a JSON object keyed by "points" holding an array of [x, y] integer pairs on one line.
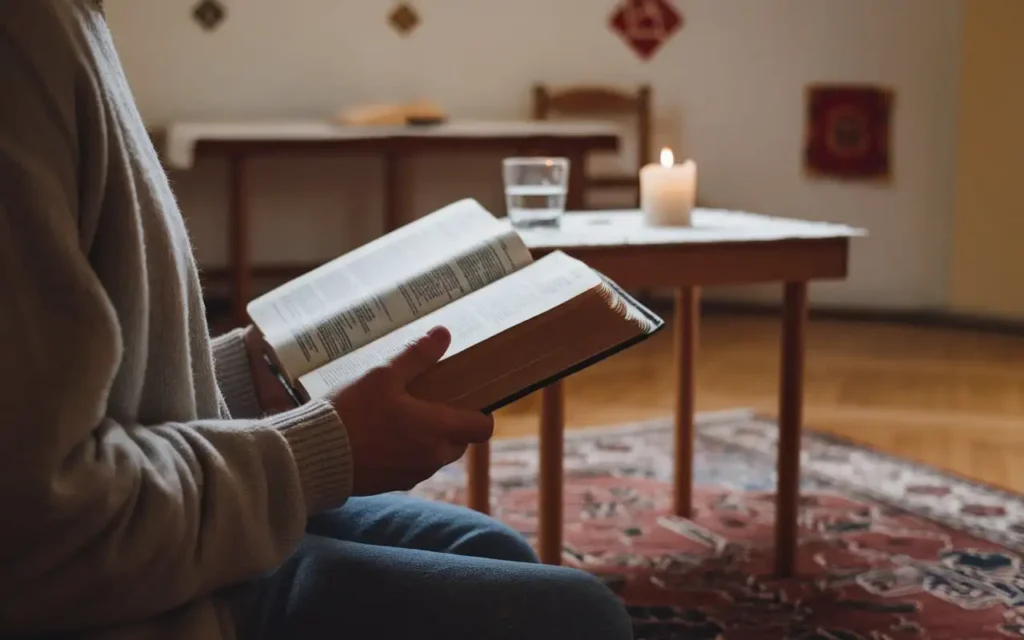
{"points": [[667, 191]]}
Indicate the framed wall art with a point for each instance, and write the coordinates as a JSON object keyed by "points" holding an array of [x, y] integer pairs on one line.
{"points": [[849, 129]]}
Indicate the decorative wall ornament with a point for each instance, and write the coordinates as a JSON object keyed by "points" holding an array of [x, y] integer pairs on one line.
{"points": [[645, 25], [209, 14], [848, 132], [404, 19]]}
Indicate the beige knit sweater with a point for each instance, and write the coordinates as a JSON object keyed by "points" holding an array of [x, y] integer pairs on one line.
{"points": [[128, 494]]}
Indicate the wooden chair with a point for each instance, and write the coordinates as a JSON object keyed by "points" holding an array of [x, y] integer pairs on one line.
{"points": [[588, 102]]}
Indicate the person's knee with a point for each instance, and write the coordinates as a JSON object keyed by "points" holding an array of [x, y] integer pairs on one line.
{"points": [[584, 607], [489, 538]]}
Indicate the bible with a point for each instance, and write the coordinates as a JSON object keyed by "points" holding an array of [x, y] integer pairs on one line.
{"points": [[517, 324]]}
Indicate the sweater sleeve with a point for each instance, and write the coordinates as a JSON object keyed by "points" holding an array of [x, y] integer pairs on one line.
{"points": [[234, 375], [103, 519]]}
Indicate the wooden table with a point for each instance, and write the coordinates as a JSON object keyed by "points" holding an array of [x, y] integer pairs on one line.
{"points": [[239, 142], [720, 248]]}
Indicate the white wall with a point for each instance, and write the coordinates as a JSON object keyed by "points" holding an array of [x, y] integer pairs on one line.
{"points": [[729, 90]]}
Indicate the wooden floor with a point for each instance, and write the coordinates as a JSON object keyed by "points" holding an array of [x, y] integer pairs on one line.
{"points": [[947, 397]]}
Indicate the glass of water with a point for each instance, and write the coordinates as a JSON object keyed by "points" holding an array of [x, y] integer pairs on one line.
{"points": [[535, 190]]}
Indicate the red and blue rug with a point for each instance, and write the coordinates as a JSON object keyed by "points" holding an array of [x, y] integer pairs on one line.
{"points": [[889, 550]]}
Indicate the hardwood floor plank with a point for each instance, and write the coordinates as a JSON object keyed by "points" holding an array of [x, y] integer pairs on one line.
{"points": [[950, 398]]}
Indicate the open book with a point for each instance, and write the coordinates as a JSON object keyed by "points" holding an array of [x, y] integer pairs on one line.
{"points": [[516, 324]]}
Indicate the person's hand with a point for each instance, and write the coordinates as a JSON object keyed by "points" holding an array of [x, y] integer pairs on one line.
{"points": [[270, 393], [397, 440]]}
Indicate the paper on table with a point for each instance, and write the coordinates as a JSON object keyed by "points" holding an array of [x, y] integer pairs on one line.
{"points": [[385, 284], [526, 294]]}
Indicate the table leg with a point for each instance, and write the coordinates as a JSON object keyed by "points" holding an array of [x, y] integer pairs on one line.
{"points": [[478, 477], [552, 434], [576, 197], [687, 318], [787, 505], [238, 239], [396, 187]]}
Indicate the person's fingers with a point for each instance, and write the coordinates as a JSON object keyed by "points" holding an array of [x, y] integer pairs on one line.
{"points": [[454, 452], [459, 425], [421, 354]]}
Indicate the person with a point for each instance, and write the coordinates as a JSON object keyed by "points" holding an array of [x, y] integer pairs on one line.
{"points": [[153, 482]]}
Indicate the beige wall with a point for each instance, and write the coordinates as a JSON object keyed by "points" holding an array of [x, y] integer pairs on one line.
{"points": [[987, 269], [729, 91]]}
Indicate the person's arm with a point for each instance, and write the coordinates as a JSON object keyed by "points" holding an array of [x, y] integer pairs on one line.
{"points": [[103, 520], [248, 385], [233, 364]]}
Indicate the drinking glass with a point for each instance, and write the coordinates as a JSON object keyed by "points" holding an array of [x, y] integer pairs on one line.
{"points": [[535, 190]]}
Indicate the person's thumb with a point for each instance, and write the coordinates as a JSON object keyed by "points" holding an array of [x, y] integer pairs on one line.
{"points": [[421, 354]]}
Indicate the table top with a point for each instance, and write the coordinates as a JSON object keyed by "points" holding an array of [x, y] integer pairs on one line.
{"points": [[182, 137], [719, 248], [597, 229]]}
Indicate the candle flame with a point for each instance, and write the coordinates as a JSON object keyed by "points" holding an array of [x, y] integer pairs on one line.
{"points": [[667, 159]]}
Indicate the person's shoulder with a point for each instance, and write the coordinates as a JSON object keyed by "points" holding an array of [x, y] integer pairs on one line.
{"points": [[38, 43], [43, 28], [44, 15]]}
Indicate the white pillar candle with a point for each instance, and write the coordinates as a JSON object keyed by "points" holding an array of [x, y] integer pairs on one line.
{"points": [[667, 191]]}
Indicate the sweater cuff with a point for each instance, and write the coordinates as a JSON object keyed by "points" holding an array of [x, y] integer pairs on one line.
{"points": [[234, 375], [320, 447]]}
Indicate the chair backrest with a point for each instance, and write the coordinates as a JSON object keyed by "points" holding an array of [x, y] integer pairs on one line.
{"points": [[595, 101]]}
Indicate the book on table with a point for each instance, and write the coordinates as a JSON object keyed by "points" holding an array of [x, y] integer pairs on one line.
{"points": [[517, 324]]}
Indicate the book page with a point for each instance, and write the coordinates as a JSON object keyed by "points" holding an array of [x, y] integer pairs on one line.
{"points": [[528, 293], [386, 284]]}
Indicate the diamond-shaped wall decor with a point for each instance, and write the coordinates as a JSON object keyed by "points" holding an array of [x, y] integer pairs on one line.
{"points": [[404, 19], [209, 14], [645, 25]]}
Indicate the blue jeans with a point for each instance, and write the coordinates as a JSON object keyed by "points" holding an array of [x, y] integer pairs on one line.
{"points": [[395, 567]]}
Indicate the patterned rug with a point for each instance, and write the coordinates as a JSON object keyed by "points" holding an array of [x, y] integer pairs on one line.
{"points": [[890, 550]]}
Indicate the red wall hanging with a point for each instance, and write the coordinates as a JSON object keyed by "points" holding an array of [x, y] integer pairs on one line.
{"points": [[645, 25], [848, 132]]}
